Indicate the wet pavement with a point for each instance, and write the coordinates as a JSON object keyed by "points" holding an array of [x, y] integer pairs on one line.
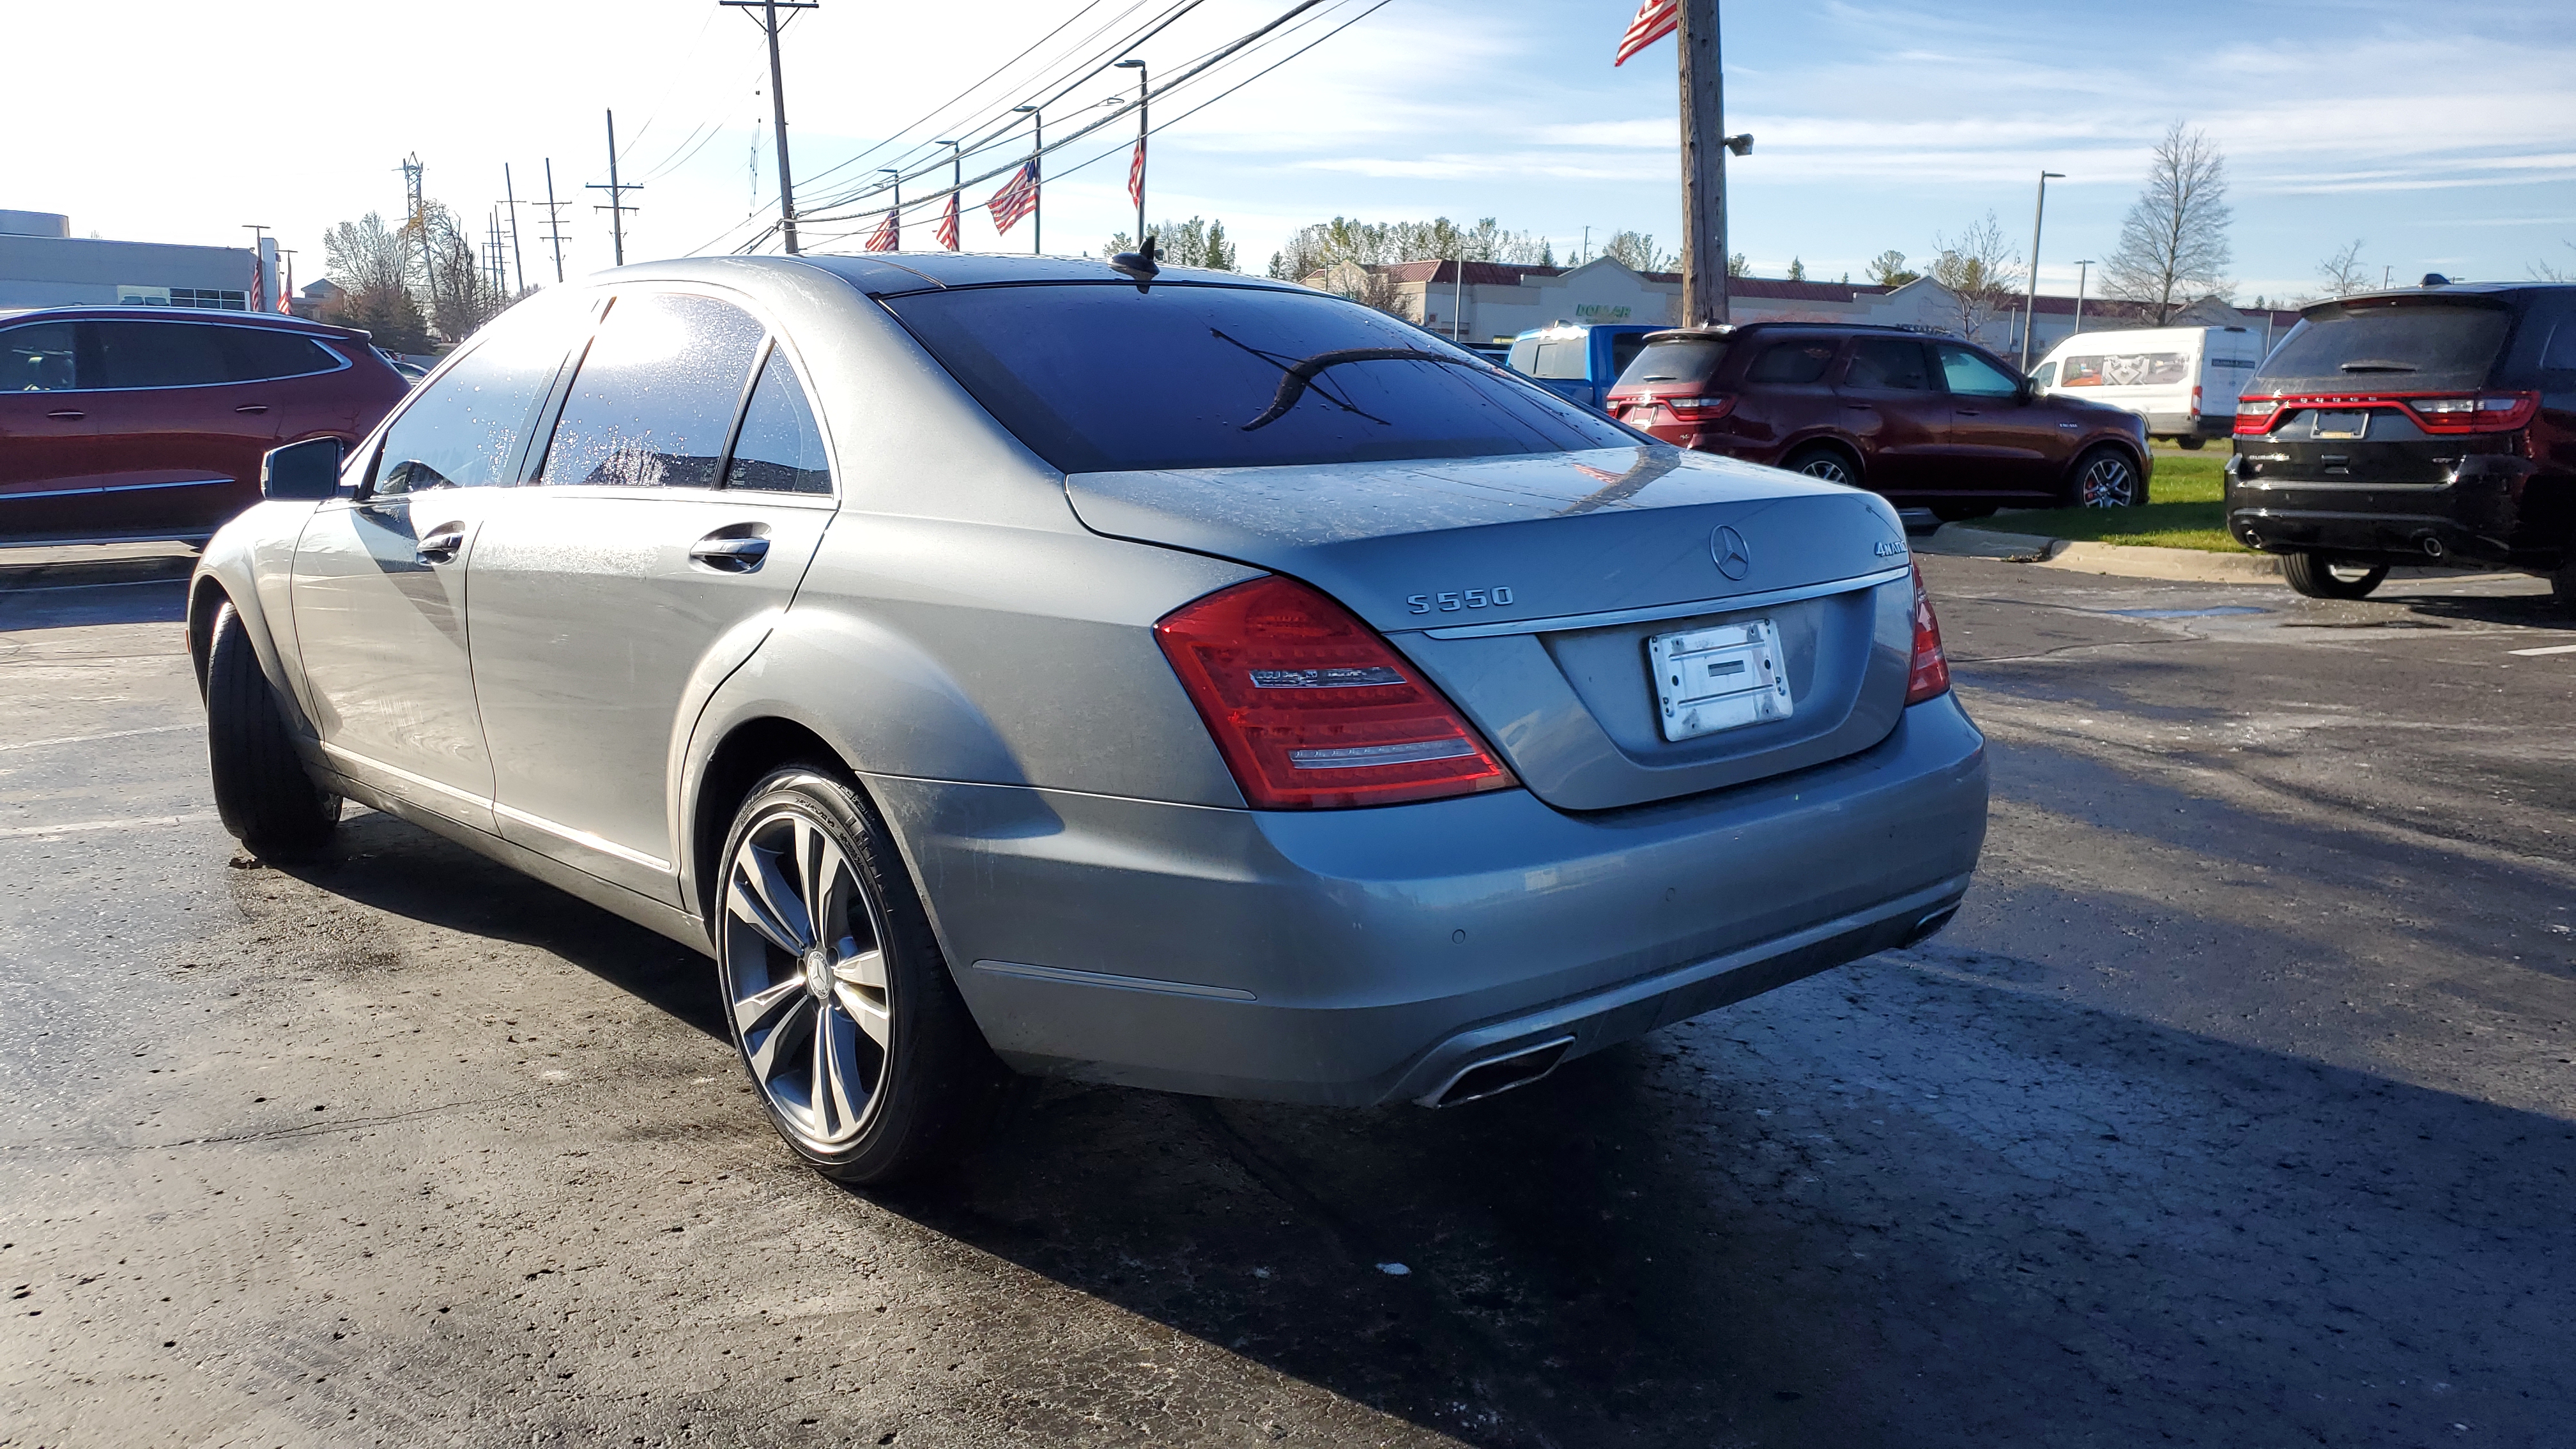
{"points": [[2237, 1107]]}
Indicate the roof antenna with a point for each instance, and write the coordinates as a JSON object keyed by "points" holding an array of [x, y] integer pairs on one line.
{"points": [[1139, 266]]}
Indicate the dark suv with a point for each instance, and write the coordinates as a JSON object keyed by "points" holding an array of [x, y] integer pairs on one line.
{"points": [[1927, 421], [2433, 425]]}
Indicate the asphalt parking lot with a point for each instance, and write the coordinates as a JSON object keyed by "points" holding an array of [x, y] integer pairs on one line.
{"points": [[2238, 1107]]}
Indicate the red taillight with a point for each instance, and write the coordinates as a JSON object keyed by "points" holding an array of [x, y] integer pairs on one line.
{"points": [[2255, 415], [2493, 413], [1700, 409], [1312, 710], [1930, 678], [2195, 399]]}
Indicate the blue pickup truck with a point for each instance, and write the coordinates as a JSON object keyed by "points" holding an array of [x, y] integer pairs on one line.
{"points": [[1579, 363]]}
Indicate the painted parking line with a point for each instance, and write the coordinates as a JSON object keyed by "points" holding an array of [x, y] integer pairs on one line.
{"points": [[84, 827], [86, 739], [2552, 649]]}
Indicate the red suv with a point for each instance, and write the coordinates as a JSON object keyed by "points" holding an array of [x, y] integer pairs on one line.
{"points": [[121, 423], [1930, 422]]}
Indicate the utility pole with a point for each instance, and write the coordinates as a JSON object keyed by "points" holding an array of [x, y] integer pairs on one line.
{"points": [[616, 207], [769, 25], [1703, 122], [499, 265], [1037, 179], [554, 218], [2030, 313], [419, 223], [510, 199], [2082, 268], [1136, 177]]}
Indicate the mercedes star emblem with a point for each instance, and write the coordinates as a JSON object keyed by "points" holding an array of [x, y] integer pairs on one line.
{"points": [[1734, 556]]}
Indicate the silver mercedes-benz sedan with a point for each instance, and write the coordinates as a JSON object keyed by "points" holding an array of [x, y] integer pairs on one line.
{"points": [[1173, 679]]}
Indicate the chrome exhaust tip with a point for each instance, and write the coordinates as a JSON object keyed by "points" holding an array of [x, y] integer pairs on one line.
{"points": [[2432, 547], [1516, 1068]]}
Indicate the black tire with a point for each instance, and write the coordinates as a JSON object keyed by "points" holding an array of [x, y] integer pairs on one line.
{"points": [[2562, 587], [2105, 477], [1824, 460], [2191, 445], [805, 834], [2320, 576], [263, 792]]}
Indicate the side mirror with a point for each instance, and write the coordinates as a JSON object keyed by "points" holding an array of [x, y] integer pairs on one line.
{"points": [[2027, 391], [308, 471]]}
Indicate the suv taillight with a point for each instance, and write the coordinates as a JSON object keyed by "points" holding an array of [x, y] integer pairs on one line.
{"points": [[1700, 409], [2493, 413], [2254, 415], [1930, 677], [1312, 710]]}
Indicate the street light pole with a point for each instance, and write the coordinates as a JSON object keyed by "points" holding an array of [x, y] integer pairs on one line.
{"points": [[2081, 269], [956, 184], [2030, 311], [1142, 93], [1037, 180]]}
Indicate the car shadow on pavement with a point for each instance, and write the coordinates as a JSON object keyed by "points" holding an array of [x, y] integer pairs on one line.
{"points": [[1878, 1207], [159, 601], [395, 866], [2539, 610]]}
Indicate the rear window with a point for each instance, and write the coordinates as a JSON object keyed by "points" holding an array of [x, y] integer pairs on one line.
{"points": [[1682, 359], [1097, 378], [2409, 346]]}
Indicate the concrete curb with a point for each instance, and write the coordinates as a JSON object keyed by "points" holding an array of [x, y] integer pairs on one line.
{"points": [[71, 565], [2120, 560]]}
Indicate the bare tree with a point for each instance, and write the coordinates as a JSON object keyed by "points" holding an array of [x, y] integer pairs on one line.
{"points": [[1191, 243], [2343, 274], [1319, 247], [1981, 271], [2546, 272], [1888, 269], [375, 267], [463, 286], [1637, 252], [2173, 243]]}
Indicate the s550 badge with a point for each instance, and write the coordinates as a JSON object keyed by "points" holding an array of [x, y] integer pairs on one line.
{"points": [[1457, 599]]}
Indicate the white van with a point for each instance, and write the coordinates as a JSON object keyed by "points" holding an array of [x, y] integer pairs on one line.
{"points": [[2184, 380]]}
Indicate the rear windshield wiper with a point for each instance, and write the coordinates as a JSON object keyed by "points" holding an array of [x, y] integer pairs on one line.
{"points": [[2378, 364]]}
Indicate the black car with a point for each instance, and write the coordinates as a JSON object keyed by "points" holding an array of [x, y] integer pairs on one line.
{"points": [[2431, 425]]}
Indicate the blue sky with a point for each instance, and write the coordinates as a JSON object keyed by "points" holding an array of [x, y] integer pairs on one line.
{"points": [[2442, 137]]}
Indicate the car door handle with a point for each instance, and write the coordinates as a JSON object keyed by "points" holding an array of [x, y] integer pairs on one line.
{"points": [[440, 544], [252, 408], [1967, 412], [730, 555], [68, 415], [1858, 407]]}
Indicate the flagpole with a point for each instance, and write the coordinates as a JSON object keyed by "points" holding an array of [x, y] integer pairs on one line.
{"points": [[1037, 196], [894, 218], [1142, 93]]}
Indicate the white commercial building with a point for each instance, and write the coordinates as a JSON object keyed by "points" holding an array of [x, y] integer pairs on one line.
{"points": [[43, 265]]}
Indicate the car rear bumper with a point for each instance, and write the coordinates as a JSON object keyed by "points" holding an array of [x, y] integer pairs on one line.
{"points": [[2499, 512], [1366, 956]]}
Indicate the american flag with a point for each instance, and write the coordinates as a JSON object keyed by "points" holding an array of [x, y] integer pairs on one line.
{"points": [[285, 286], [1136, 178], [1017, 198], [888, 237], [948, 223], [1655, 20]]}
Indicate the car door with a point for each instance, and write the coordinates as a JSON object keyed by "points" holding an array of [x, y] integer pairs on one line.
{"points": [[1892, 407], [640, 568], [1999, 443], [48, 476], [380, 575], [178, 450]]}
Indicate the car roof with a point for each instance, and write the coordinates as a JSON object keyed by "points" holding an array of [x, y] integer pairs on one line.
{"points": [[1876, 329], [2485, 291], [128, 312], [886, 274]]}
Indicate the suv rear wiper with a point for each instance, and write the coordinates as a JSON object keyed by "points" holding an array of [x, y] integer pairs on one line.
{"points": [[2377, 364]]}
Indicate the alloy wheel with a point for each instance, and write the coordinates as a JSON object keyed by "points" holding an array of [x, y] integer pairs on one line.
{"points": [[2108, 482], [805, 977], [1829, 468]]}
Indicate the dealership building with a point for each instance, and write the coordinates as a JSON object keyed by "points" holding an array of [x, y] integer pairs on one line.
{"points": [[43, 265]]}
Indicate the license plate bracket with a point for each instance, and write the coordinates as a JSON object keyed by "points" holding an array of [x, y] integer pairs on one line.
{"points": [[2342, 424], [1719, 678]]}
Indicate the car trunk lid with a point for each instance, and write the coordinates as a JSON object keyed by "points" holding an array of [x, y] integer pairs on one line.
{"points": [[1529, 587]]}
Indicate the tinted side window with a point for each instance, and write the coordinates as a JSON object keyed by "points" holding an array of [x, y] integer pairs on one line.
{"points": [[1523, 358], [1563, 361], [254, 356], [2047, 375], [1894, 363], [1972, 376], [464, 430], [656, 394], [1804, 360], [780, 450], [2560, 351], [160, 354], [38, 358]]}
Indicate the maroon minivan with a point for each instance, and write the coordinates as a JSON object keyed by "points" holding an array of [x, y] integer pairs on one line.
{"points": [[125, 423], [1928, 421]]}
